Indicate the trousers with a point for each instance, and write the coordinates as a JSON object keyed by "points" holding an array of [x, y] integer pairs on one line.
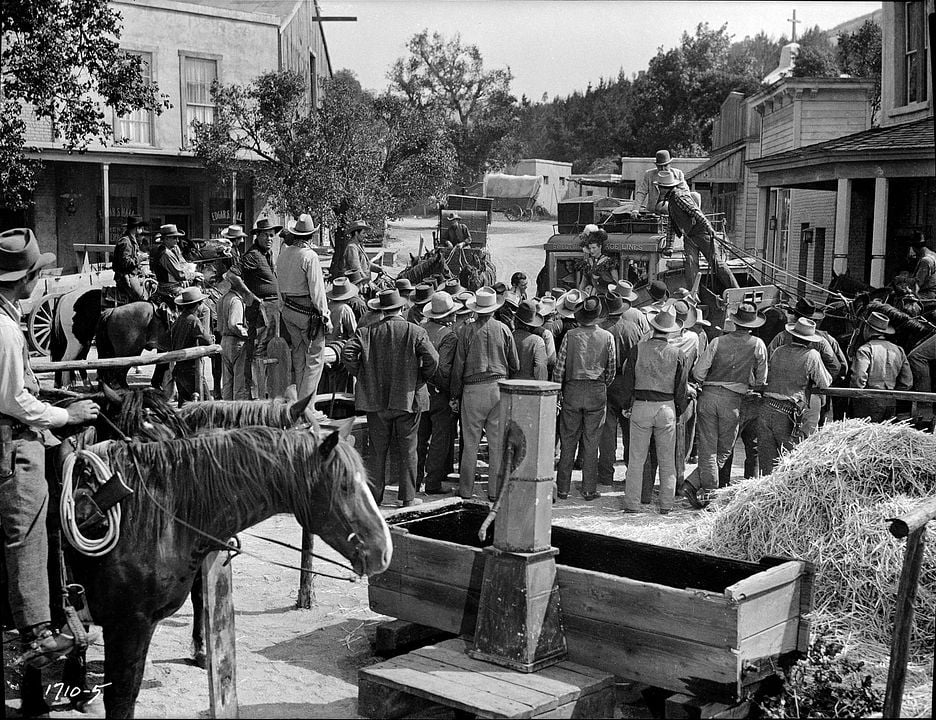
{"points": [[480, 411], [747, 430], [874, 409], [384, 427], [608, 444], [656, 420], [581, 418], [24, 501], [433, 444], [719, 420], [308, 353], [692, 245], [233, 359], [774, 431]]}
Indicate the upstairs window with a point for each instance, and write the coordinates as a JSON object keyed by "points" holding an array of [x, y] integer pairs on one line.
{"points": [[137, 127], [915, 60], [197, 76]]}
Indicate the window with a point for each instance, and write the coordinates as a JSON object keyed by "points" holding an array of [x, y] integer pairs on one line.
{"points": [[914, 78], [137, 127], [197, 76], [545, 179], [778, 227], [562, 182], [819, 257]]}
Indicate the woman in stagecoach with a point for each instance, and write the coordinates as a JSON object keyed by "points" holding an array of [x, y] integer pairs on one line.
{"points": [[598, 271]]}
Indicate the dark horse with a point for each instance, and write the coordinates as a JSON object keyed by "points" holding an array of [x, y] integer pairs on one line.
{"points": [[471, 266], [252, 474]]}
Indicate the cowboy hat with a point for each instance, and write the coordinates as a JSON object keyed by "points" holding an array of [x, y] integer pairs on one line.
{"points": [[358, 225], [386, 300], [528, 314], [685, 295], [485, 301], [462, 298], [355, 276], [747, 316], [264, 225], [190, 296], [342, 289], [233, 232], [569, 303], [589, 312], [663, 157], [19, 254], [879, 323], [404, 286], [423, 294], [666, 179], [804, 329], [624, 290], [614, 304], [658, 290], [453, 216], [806, 309], [665, 320], [685, 313], [500, 288], [135, 221], [512, 300], [170, 230], [441, 306], [302, 227], [453, 287], [547, 305]]}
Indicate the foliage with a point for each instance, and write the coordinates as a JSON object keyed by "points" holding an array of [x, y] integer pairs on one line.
{"points": [[816, 57], [62, 59], [859, 55], [446, 80], [824, 684], [354, 156]]}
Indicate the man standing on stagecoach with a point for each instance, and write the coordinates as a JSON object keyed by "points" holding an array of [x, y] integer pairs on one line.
{"points": [[24, 494], [126, 264], [647, 195], [355, 257]]}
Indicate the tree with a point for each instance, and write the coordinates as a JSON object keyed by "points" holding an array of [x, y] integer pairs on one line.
{"points": [[816, 56], [447, 80], [61, 62], [355, 156], [859, 55]]}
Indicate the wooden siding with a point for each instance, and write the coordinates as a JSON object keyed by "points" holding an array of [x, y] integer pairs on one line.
{"points": [[817, 208], [301, 39], [828, 120], [777, 132], [732, 121]]}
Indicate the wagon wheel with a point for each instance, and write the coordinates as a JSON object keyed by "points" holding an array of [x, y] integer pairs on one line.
{"points": [[39, 323], [526, 214], [513, 213]]}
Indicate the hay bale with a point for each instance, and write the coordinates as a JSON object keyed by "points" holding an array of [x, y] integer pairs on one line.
{"points": [[827, 502]]}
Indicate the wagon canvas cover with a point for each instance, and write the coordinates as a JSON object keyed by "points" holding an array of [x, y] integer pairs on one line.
{"points": [[516, 187]]}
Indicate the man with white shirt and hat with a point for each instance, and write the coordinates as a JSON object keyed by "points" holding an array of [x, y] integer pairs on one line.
{"points": [[647, 194]]}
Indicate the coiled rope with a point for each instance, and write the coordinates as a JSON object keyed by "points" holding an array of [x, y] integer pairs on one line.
{"points": [[102, 473]]}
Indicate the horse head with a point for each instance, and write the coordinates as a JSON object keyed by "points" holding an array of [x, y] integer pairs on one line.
{"points": [[141, 414], [351, 521]]}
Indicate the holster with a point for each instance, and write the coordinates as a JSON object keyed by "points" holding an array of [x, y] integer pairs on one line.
{"points": [[7, 450], [316, 324]]}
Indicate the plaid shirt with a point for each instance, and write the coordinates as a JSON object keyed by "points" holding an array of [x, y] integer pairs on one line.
{"points": [[587, 353], [684, 215]]}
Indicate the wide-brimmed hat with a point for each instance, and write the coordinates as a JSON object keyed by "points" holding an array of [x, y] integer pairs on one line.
{"points": [[440, 306], [806, 309], [747, 316], [342, 289], [589, 312], [665, 320], [135, 221], [19, 254], [614, 303], [302, 227], [512, 300], [685, 295], [453, 216], [879, 323], [264, 225], [453, 287], [462, 299], [624, 290], [355, 276], [547, 305], [528, 314], [190, 296], [500, 288], [170, 230], [666, 179], [804, 329], [233, 232], [685, 312], [386, 300], [485, 301], [404, 286], [569, 303], [358, 225], [663, 157], [423, 294], [557, 292], [658, 290]]}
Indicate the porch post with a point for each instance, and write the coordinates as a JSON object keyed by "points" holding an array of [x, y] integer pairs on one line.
{"points": [[842, 225], [879, 231], [105, 168], [760, 226]]}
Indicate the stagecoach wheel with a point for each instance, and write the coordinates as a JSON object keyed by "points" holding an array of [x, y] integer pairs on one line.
{"points": [[526, 214], [39, 324], [513, 213]]}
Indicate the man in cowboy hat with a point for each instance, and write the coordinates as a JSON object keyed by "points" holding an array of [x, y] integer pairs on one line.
{"points": [[585, 367], [628, 326], [357, 303], [456, 234], [486, 353], [647, 195], [453, 287], [658, 295], [343, 322], [392, 360], [188, 331], [355, 257], [531, 348], [656, 378], [421, 295], [172, 272], [568, 303], [879, 365], [687, 221], [304, 305], [254, 275], [727, 370], [128, 273], [405, 287], [924, 274], [793, 370], [436, 426], [24, 493], [232, 327]]}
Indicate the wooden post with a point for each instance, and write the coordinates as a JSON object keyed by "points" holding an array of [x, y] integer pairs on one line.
{"points": [[306, 588], [192, 353], [219, 635]]}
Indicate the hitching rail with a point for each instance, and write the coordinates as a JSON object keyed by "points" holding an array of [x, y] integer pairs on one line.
{"points": [[43, 366]]}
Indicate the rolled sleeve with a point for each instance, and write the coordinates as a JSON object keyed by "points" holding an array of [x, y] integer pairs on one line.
{"points": [[15, 400]]}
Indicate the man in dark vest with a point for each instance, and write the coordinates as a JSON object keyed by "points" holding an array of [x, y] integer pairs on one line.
{"points": [[128, 274]]}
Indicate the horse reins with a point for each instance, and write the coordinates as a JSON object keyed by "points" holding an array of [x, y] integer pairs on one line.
{"points": [[233, 548]]}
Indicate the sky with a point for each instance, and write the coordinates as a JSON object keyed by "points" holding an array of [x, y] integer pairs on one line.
{"points": [[554, 46]]}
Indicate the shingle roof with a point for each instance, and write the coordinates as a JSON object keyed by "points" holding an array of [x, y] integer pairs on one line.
{"points": [[913, 136]]}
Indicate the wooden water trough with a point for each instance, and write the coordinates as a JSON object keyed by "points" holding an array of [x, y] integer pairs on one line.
{"points": [[687, 622]]}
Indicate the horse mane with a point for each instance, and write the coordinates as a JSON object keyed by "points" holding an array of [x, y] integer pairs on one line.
{"points": [[902, 321], [421, 269], [226, 473], [236, 413], [132, 415]]}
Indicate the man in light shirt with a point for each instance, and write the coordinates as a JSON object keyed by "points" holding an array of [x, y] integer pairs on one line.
{"points": [[648, 194]]}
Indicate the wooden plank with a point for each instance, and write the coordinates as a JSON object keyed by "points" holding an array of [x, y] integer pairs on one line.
{"points": [[218, 612], [777, 640], [598, 704], [377, 700], [765, 581], [657, 660], [396, 636], [42, 366], [770, 608], [454, 688], [416, 609], [688, 707], [882, 394], [702, 617]]}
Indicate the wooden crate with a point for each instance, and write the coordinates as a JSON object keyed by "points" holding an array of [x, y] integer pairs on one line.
{"points": [[687, 622]]}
